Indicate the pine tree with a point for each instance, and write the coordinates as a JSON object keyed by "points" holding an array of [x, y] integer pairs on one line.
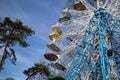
{"points": [[11, 33], [39, 69]]}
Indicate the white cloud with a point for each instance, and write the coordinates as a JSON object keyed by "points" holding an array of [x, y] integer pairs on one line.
{"points": [[24, 59]]}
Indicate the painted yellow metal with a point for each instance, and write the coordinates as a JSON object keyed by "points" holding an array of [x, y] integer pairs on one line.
{"points": [[55, 36], [56, 29]]}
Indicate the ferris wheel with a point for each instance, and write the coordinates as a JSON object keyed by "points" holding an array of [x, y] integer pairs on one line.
{"points": [[90, 32]]}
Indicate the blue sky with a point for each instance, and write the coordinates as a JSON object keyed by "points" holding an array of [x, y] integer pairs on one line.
{"points": [[40, 15]]}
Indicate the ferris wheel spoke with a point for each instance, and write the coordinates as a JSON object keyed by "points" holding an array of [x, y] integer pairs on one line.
{"points": [[85, 12], [74, 30], [100, 4], [112, 6], [105, 4], [89, 6]]}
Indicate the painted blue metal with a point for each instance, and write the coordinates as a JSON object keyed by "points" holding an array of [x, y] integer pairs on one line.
{"points": [[104, 24]]}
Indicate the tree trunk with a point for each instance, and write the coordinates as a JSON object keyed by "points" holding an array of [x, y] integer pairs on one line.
{"points": [[31, 75], [3, 56]]}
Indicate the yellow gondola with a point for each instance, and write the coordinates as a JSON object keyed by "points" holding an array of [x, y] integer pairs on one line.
{"points": [[53, 47], [55, 36], [56, 29], [79, 6]]}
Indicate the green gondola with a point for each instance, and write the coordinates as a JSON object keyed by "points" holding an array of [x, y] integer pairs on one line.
{"points": [[53, 77], [63, 19]]}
